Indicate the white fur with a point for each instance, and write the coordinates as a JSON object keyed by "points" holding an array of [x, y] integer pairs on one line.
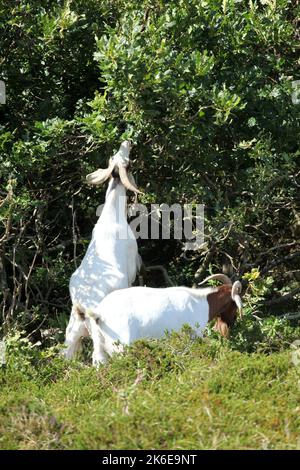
{"points": [[110, 263], [142, 312], [111, 258]]}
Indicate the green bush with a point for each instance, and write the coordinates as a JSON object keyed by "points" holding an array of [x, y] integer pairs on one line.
{"points": [[204, 90]]}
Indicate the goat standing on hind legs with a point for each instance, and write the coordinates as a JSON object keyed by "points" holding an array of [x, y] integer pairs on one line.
{"points": [[111, 261]]}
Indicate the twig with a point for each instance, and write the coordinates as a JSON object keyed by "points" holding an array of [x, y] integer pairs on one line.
{"points": [[208, 258], [283, 298], [291, 316], [276, 262], [74, 233], [230, 259], [60, 246], [38, 327], [279, 247]]}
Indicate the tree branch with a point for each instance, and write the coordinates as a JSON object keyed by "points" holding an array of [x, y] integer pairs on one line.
{"points": [[283, 298]]}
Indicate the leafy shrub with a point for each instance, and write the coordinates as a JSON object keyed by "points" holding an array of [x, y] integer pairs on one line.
{"points": [[204, 90]]}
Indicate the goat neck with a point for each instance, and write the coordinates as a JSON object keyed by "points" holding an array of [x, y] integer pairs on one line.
{"points": [[115, 201]]}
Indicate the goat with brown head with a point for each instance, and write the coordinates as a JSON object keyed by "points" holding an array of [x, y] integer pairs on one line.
{"points": [[143, 312], [224, 303]]}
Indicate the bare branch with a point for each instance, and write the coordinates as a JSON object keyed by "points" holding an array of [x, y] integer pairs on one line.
{"points": [[283, 298], [279, 261]]}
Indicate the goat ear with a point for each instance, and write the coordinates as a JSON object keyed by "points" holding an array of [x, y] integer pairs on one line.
{"points": [[222, 327], [99, 176], [236, 296]]}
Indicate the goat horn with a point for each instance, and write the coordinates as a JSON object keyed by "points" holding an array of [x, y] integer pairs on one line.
{"points": [[235, 295], [99, 176], [219, 277], [125, 180]]}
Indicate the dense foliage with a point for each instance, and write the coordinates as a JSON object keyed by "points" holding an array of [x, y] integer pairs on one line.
{"points": [[203, 89]]}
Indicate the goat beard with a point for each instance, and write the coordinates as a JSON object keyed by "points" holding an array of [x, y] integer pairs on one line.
{"points": [[222, 328]]}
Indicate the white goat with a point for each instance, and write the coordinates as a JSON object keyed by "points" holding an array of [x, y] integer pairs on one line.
{"points": [[111, 261], [142, 312]]}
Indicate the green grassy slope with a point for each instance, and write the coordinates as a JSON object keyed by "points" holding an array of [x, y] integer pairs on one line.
{"points": [[177, 393]]}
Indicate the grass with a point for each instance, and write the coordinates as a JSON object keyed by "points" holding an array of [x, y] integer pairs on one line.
{"points": [[176, 393]]}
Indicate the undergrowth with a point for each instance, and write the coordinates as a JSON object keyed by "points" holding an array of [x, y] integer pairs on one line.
{"points": [[175, 393]]}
